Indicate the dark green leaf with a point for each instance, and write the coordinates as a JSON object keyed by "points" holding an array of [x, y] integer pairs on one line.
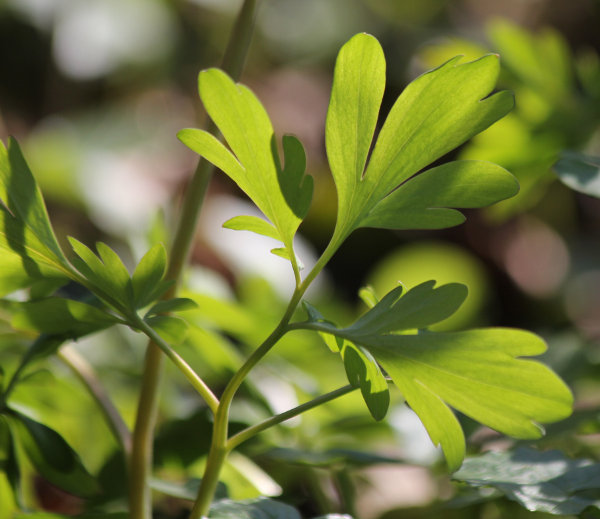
{"points": [[259, 508], [8, 458], [52, 456], [172, 329], [177, 304], [56, 315], [147, 278], [24, 224], [540, 481], [580, 172]]}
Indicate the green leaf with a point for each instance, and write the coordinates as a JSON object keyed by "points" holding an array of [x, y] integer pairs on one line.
{"points": [[8, 458], [436, 113], [540, 481], [330, 458], [147, 280], [477, 372], [259, 508], [25, 228], [368, 296], [579, 172], [283, 194], [108, 275], [172, 329], [59, 316], [253, 224], [52, 456], [177, 304], [422, 306], [364, 372], [425, 201], [187, 490]]}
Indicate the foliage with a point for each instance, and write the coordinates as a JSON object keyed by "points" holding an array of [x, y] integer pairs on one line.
{"points": [[385, 182]]}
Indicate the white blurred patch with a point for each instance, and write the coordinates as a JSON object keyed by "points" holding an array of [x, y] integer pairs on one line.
{"points": [[247, 253], [95, 37], [415, 442]]}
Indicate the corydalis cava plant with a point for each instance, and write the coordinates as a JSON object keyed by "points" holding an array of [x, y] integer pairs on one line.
{"points": [[477, 372]]}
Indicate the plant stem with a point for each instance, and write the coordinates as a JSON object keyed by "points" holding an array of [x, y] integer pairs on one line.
{"points": [[86, 375], [141, 457], [249, 432]]}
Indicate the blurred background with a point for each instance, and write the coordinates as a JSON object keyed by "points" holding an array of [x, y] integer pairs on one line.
{"points": [[95, 92]]}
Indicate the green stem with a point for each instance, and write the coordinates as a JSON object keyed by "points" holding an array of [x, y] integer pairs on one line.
{"points": [[87, 376], [249, 432], [141, 457]]}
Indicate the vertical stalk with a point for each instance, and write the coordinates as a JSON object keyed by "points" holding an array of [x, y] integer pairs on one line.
{"points": [[140, 464]]}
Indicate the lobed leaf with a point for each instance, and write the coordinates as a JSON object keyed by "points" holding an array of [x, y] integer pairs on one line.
{"points": [[436, 113], [477, 372], [283, 194]]}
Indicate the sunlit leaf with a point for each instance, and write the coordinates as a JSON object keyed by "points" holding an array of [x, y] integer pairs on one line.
{"points": [[436, 113], [254, 224], [540, 481], [52, 456], [282, 193], [259, 508]]}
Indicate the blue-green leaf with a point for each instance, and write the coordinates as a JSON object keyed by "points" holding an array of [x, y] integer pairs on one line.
{"points": [[540, 481], [259, 508], [579, 172]]}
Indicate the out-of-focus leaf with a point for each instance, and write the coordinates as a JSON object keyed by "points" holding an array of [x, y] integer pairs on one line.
{"points": [[334, 516], [579, 172], [56, 316], [283, 194], [437, 112], [44, 515], [147, 280], [8, 459], [368, 296], [540, 481], [329, 458], [187, 490], [172, 329], [259, 508], [52, 456], [25, 228], [177, 304]]}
